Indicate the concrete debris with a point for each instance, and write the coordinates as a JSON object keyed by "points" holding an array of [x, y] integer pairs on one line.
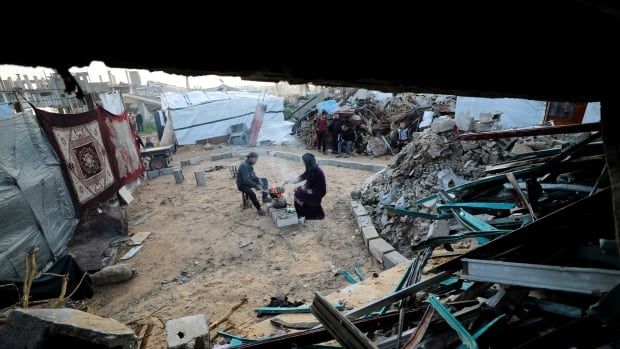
{"points": [[377, 114], [112, 274], [70, 328], [190, 332], [443, 123], [464, 121], [376, 147]]}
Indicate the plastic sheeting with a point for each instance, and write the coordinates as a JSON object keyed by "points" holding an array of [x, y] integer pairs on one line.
{"points": [[593, 113], [112, 102], [202, 115], [330, 106], [516, 113], [35, 204], [6, 110]]}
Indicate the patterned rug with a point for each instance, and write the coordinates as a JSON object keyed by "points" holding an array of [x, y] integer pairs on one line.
{"points": [[78, 141], [124, 152]]}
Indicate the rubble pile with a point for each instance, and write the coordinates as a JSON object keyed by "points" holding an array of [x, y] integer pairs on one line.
{"points": [[376, 116], [430, 161]]}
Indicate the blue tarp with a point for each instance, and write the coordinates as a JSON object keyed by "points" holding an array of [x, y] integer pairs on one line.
{"points": [[330, 106]]}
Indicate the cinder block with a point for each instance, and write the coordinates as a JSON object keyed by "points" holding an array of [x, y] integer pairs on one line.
{"points": [[168, 170], [354, 204], [152, 174], [360, 210], [194, 161], [369, 233], [190, 332], [184, 163], [363, 221], [221, 156], [283, 219], [378, 247], [393, 258]]}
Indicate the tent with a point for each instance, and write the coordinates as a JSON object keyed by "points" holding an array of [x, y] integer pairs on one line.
{"points": [[35, 204], [200, 115], [516, 112]]}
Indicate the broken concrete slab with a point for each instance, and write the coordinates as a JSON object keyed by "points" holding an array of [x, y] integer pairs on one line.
{"points": [[392, 259], [112, 274], [369, 233], [50, 328], [442, 124], [378, 247], [438, 228], [189, 332]]}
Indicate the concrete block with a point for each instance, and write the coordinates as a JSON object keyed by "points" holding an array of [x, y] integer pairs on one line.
{"points": [[442, 124], [190, 332], [354, 204], [393, 258], [363, 221], [360, 210], [221, 156], [369, 233], [178, 176], [168, 170], [70, 328], [194, 161], [152, 174], [378, 247], [200, 178], [184, 163], [283, 219]]}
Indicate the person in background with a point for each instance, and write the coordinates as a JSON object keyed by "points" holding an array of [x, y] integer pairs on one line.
{"points": [[403, 136], [149, 143], [309, 196], [321, 132], [347, 137], [247, 180], [139, 122], [335, 128]]}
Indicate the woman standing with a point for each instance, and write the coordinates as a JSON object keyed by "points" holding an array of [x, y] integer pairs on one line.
{"points": [[308, 197]]}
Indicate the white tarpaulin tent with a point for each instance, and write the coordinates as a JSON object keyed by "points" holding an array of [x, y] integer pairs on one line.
{"points": [[35, 204], [516, 113], [199, 115]]}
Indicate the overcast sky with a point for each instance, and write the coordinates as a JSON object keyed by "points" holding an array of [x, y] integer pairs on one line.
{"points": [[99, 69]]}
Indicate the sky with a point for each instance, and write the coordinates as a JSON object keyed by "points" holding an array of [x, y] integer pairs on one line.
{"points": [[98, 68]]}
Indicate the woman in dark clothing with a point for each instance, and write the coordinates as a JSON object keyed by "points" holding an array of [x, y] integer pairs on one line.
{"points": [[308, 197]]}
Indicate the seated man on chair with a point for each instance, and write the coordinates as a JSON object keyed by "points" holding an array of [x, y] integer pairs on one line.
{"points": [[247, 180]]}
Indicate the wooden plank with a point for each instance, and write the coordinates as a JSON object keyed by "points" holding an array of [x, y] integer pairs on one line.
{"points": [[138, 239]]}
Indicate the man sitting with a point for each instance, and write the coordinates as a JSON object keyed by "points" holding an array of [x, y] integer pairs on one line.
{"points": [[347, 137], [247, 180]]}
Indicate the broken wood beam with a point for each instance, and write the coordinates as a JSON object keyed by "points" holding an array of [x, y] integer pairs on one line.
{"points": [[532, 131]]}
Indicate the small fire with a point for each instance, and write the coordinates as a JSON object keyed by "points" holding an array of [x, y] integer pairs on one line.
{"points": [[276, 192]]}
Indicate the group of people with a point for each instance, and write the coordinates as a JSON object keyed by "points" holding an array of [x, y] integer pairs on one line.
{"points": [[308, 197], [343, 134]]}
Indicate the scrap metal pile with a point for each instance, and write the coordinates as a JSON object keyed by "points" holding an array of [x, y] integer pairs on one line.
{"points": [[544, 270]]}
